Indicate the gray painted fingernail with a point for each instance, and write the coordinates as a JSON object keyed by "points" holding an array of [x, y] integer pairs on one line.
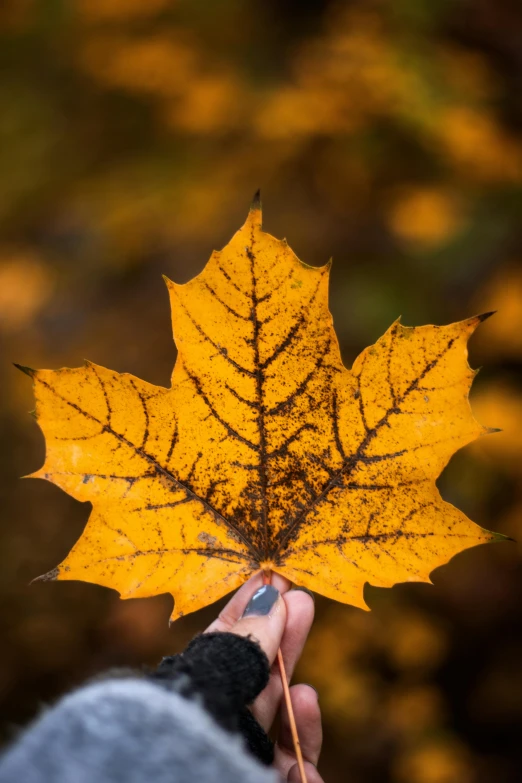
{"points": [[262, 602]]}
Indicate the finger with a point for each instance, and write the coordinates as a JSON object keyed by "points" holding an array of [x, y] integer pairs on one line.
{"points": [[300, 615], [237, 604], [300, 608], [308, 719], [307, 715], [312, 775], [264, 619]]}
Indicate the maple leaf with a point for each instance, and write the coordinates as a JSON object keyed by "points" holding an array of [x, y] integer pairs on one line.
{"points": [[266, 452]]}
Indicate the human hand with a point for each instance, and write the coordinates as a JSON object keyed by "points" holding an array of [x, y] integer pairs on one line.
{"points": [[286, 625]]}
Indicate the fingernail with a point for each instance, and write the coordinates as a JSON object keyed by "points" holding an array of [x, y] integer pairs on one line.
{"points": [[262, 601], [314, 689], [306, 590]]}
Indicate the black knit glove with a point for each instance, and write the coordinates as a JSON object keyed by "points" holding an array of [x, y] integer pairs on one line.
{"points": [[227, 672]]}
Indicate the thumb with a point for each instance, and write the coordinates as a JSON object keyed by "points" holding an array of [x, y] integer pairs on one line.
{"points": [[264, 619]]}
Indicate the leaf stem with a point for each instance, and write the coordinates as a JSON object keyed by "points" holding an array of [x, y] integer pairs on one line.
{"points": [[267, 578]]}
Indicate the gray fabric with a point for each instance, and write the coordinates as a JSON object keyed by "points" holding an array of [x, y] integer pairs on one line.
{"points": [[129, 731]]}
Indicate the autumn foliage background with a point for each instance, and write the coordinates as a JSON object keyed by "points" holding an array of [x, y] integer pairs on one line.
{"points": [[385, 134]]}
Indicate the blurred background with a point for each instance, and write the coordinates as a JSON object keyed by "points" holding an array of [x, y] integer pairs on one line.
{"points": [[387, 134]]}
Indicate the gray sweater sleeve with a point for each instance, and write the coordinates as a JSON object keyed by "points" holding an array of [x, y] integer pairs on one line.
{"points": [[129, 731]]}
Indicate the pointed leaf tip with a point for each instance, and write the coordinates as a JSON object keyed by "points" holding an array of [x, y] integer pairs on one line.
{"points": [[168, 282], [498, 538], [256, 201], [484, 316], [255, 215], [50, 576], [27, 370], [473, 323]]}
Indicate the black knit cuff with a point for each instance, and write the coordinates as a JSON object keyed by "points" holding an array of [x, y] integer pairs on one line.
{"points": [[227, 672]]}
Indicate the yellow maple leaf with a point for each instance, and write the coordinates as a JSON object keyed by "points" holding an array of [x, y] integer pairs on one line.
{"points": [[266, 452]]}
